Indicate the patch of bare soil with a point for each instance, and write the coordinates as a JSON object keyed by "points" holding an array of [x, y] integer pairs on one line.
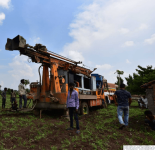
{"points": [[24, 137]]}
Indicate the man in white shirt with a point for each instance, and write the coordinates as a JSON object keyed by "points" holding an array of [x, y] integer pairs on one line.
{"points": [[22, 94], [139, 101], [144, 102]]}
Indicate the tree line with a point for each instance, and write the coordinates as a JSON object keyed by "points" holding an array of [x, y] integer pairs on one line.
{"points": [[142, 76], [9, 89]]}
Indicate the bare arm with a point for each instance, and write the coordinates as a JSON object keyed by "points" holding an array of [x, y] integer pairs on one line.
{"points": [[115, 100], [67, 102], [151, 118], [2, 94], [76, 101], [130, 100]]}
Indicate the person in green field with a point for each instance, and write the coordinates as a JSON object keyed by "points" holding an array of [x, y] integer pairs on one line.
{"points": [[4, 98], [73, 105], [22, 94], [13, 96], [14, 105], [123, 102]]}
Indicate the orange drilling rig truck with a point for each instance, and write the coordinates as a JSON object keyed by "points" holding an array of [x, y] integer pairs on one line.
{"points": [[58, 71]]}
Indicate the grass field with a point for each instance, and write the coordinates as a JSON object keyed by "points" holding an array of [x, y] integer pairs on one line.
{"points": [[99, 130]]}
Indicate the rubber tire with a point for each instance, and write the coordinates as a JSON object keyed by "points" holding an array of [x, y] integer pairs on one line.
{"points": [[79, 111], [84, 104], [107, 100], [104, 105]]}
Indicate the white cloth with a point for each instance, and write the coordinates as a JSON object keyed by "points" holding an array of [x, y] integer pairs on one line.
{"points": [[21, 89], [13, 94], [145, 105], [145, 101]]}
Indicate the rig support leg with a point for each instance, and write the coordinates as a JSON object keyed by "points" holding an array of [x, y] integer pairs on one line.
{"points": [[40, 113], [66, 114]]}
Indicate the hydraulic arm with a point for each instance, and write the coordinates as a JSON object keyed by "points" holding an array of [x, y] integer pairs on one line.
{"points": [[40, 54], [50, 90]]}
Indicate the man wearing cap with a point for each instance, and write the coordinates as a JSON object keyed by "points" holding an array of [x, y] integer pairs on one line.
{"points": [[22, 94], [73, 105]]}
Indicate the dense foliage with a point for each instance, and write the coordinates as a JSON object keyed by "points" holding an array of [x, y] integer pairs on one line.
{"points": [[142, 76], [27, 82], [121, 81], [120, 72], [16, 91]]}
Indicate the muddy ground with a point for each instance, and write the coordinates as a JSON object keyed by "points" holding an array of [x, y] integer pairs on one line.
{"points": [[99, 130]]}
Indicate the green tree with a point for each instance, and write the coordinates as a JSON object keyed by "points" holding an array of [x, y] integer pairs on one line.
{"points": [[27, 82], [119, 78], [0, 89], [16, 91], [27, 90], [8, 91], [142, 76], [121, 81]]}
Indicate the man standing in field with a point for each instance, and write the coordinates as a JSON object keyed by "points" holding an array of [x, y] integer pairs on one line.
{"points": [[4, 98], [73, 105], [144, 102], [13, 96], [22, 94], [123, 103]]}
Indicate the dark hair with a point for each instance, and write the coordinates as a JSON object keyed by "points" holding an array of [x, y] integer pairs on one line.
{"points": [[122, 86], [11, 90], [71, 84], [22, 80], [5, 88], [148, 112]]}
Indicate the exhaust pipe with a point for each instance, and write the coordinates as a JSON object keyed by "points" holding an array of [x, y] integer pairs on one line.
{"points": [[16, 43]]}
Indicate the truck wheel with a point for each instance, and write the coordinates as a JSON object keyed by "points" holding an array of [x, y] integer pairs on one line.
{"points": [[104, 105], [107, 101], [79, 111], [84, 108]]}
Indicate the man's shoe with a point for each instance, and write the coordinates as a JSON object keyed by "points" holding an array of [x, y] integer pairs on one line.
{"points": [[146, 124], [121, 127], [78, 131], [69, 128]]}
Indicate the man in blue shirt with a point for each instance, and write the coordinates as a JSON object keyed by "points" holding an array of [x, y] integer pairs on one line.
{"points": [[123, 103], [73, 105]]}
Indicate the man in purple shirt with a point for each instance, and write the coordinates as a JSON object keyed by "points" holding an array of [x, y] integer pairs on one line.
{"points": [[73, 105]]}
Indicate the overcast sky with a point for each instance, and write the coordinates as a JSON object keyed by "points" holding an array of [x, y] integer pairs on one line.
{"points": [[107, 34]]}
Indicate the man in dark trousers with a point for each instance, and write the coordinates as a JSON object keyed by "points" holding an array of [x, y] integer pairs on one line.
{"points": [[4, 98], [13, 96], [22, 94], [73, 105], [123, 103], [14, 105]]}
